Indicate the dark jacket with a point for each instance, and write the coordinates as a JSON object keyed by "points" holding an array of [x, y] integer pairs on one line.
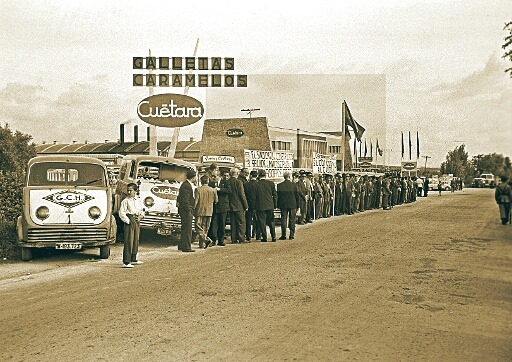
{"points": [[236, 196], [287, 195], [503, 193], [301, 187], [222, 192], [185, 200], [250, 194], [266, 195]]}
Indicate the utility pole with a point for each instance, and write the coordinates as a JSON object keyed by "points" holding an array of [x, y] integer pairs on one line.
{"points": [[249, 111], [426, 158]]}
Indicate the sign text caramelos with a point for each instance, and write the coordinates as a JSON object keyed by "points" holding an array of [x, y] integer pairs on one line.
{"points": [[170, 110]]}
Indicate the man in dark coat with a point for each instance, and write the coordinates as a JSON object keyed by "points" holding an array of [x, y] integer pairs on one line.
{"points": [[287, 202], [186, 203], [221, 210], [266, 202], [303, 192], [237, 206], [251, 228]]}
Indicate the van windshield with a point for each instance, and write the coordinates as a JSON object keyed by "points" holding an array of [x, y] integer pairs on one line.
{"points": [[66, 174], [156, 171]]}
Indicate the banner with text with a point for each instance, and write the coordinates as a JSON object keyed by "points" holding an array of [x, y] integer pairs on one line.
{"points": [[324, 163], [274, 163]]}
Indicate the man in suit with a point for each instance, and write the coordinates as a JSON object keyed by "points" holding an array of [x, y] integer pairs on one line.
{"points": [[287, 202], [186, 203], [237, 206], [251, 228], [222, 209], [205, 198], [303, 192], [266, 202], [318, 192]]}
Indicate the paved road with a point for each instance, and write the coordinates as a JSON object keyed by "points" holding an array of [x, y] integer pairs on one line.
{"points": [[425, 281]]}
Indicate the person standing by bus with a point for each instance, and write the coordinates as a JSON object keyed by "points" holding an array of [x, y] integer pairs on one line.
{"points": [[131, 213], [186, 203]]}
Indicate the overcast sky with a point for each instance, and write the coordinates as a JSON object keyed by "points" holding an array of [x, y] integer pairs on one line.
{"points": [[432, 67]]}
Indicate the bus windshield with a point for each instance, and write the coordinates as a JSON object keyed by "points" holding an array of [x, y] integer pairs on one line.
{"points": [[66, 174]]}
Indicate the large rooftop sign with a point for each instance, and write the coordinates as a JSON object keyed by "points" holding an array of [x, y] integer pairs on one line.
{"points": [[198, 72], [170, 110]]}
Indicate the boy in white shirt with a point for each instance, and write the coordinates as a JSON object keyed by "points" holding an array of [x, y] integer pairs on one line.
{"points": [[131, 212]]}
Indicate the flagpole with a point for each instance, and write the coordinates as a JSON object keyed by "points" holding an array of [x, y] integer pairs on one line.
{"points": [[343, 115]]}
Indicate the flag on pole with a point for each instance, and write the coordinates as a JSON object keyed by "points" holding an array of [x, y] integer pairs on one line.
{"points": [[403, 145], [371, 148], [379, 151], [417, 145], [360, 145], [350, 121], [355, 150], [410, 146], [365, 150]]}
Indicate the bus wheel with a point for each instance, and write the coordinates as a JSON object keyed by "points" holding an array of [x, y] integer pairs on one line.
{"points": [[26, 254], [104, 251]]}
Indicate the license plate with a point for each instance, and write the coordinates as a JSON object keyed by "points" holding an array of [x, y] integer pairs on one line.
{"points": [[163, 231], [68, 246]]}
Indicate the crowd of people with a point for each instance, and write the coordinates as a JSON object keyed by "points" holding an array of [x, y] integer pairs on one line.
{"points": [[248, 201]]}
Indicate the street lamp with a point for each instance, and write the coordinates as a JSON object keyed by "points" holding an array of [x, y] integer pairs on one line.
{"points": [[249, 111]]}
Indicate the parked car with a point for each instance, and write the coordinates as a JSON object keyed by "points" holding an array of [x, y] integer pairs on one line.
{"points": [[478, 182]]}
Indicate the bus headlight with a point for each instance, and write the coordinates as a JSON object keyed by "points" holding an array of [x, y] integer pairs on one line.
{"points": [[42, 213], [94, 212], [149, 201]]}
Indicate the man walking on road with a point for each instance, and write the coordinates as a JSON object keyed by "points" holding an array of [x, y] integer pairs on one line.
{"points": [[503, 197], [287, 202]]}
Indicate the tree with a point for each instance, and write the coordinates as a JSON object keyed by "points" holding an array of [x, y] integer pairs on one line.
{"points": [[493, 163], [15, 150], [507, 47], [456, 162]]}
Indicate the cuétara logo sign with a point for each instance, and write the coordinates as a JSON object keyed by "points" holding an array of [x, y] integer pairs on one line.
{"points": [[170, 110]]}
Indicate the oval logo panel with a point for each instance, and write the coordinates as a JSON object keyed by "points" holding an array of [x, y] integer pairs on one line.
{"points": [[165, 192], [170, 110], [409, 166], [234, 132]]}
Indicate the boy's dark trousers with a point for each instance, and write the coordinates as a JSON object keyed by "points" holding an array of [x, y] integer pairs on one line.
{"points": [[131, 239]]}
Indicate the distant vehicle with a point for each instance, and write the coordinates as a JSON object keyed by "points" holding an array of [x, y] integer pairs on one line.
{"points": [[67, 204], [489, 180], [478, 182]]}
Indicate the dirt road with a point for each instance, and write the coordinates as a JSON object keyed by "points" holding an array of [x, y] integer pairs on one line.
{"points": [[425, 281]]}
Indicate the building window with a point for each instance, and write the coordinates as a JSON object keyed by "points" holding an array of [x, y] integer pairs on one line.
{"points": [[281, 146], [334, 149]]}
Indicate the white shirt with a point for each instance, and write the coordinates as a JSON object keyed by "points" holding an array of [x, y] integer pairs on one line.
{"points": [[131, 205]]}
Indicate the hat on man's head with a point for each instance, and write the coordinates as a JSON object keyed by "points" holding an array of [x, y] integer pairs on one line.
{"points": [[295, 174], [302, 172], [262, 172], [253, 173]]}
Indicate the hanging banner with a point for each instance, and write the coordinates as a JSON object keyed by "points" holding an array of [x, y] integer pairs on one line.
{"points": [[324, 163], [274, 163]]}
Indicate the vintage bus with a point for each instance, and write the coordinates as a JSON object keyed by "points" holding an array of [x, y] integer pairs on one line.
{"points": [[159, 179], [67, 204]]}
